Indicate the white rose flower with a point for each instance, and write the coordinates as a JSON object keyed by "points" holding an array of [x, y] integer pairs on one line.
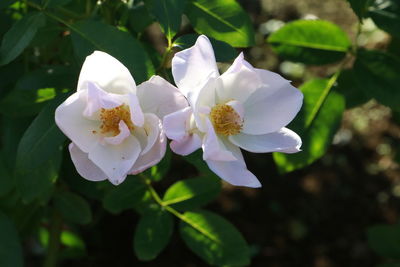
{"points": [[115, 128], [244, 108]]}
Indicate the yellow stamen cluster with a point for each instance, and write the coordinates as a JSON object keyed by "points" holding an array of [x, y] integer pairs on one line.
{"points": [[111, 117], [226, 120]]}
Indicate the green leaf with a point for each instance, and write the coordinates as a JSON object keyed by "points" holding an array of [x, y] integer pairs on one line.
{"points": [[214, 239], [10, 248], [311, 42], [6, 179], [19, 36], [56, 3], [316, 123], [73, 207], [223, 51], [224, 20], [385, 240], [39, 154], [139, 18], [378, 74], [6, 3], [34, 89], [196, 159], [89, 35], [192, 193], [386, 15], [152, 234], [359, 7], [157, 172], [125, 196], [348, 87], [168, 14]]}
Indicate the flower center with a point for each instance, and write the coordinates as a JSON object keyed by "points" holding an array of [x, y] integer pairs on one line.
{"points": [[111, 117], [226, 120]]}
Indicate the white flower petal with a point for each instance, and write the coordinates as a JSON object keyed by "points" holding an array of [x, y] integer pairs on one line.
{"points": [[186, 145], [97, 99], [238, 82], [176, 125], [149, 133], [234, 172], [124, 132], [84, 166], [270, 108], [238, 107], [116, 160], [193, 66], [106, 71], [214, 147], [153, 156], [160, 97], [69, 119], [284, 140], [137, 116]]}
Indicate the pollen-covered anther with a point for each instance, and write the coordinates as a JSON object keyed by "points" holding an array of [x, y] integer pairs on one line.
{"points": [[111, 117], [226, 120]]}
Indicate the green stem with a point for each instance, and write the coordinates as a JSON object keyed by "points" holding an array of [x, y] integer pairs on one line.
{"points": [[165, 58], [171, 210], [54, 241]]}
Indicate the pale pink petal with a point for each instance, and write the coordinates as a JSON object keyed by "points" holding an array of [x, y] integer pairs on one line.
{"points": [[234, 172], [283, 140], [153, 156], [97, 99], [116, 160], [84, 166], [137, 116], [149, 133], [214, 147], [271, 107], [160, 97], [106, 71], [82, 131], [195, 65], [124, 132], [186, 145], [176, 125], [238, 82]]}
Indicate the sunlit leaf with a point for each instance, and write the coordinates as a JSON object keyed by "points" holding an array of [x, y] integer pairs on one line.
{"points": [[192, 193], [310, 42], [35, 88], [214, 239], [316, 123], [224, 20]]}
